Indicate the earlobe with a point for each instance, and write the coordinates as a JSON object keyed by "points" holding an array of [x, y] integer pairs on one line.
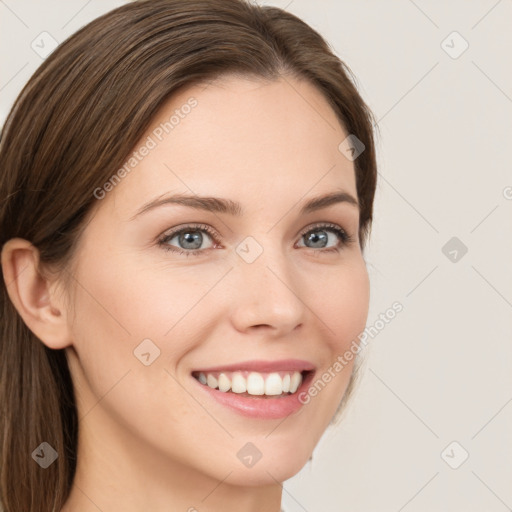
{"points": [[33, 295]]}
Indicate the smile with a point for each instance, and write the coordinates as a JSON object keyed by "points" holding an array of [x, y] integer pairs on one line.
{"points": [[257, 389], [252, 383]]}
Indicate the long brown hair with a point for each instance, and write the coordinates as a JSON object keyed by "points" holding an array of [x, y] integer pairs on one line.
{"points": [[72, 126]]}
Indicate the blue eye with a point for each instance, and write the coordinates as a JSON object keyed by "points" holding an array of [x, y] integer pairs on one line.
{"points": [[190, 239], [318, 235]]}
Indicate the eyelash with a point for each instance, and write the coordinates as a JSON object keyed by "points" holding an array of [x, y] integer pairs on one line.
{"points": [[345, 238]]}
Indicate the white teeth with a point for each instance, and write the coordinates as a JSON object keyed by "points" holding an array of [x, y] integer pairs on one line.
{"points": [[224, 383], [238, 383], [254, 383], [286, 383], [295, 382], [211, 381], [274, 384]]}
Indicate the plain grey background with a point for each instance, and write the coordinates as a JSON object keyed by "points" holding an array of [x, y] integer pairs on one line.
{"points": [[430, 426]]}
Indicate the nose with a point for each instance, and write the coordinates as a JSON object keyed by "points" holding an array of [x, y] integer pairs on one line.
{"points": [[267, 296]]}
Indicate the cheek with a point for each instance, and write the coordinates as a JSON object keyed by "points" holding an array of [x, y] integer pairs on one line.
{"points": [[127, 309], [340, 300], [127, 300], [342, 306], [114, 315]]}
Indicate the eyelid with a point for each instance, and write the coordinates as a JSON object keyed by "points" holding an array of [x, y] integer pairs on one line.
{"points": [[318, 225], [171, 233]]}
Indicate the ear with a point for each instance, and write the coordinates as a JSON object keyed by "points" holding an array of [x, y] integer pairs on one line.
{"points": [[34, 296]]}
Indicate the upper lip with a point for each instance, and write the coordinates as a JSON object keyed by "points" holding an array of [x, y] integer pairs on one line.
{"points": [[297, 365]]}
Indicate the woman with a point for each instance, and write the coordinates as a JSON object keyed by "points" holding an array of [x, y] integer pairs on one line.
{"points": [[187, 190]]}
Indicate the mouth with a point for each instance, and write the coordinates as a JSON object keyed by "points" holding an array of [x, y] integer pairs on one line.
{"points": [[263, 390], [261, 385]]}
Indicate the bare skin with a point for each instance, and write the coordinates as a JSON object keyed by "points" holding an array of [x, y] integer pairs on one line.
{"points": [[149, 438]]}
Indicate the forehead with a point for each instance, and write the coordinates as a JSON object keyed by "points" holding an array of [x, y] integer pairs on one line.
{"points": [[240, 138]]}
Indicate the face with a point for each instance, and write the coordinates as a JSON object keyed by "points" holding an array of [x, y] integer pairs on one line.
{"points": [[253, 294]]}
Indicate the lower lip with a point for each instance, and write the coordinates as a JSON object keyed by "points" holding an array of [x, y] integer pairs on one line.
{"points": [[258, 407]]}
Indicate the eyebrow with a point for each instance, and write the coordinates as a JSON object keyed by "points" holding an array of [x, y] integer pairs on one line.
{"points": [[220, 205]]}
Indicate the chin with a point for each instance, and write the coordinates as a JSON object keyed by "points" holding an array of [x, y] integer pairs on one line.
{"points": [[263, 476], [277, 467]]}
